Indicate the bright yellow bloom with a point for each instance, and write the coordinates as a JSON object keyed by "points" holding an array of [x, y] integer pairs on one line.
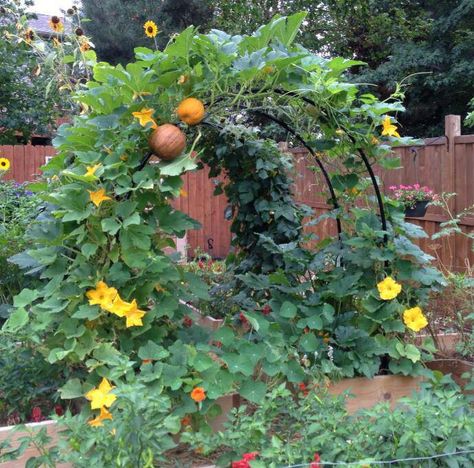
{"points": [[144, 117], [134, 315], [104, 414], [91, 169], [119, 307], [29, 35], [182, 192], [101, 396], [414, 319], [4, 164], [151, 30], [389, 289], [389, 129], [374, 141], [98, 196], [102, 295]]}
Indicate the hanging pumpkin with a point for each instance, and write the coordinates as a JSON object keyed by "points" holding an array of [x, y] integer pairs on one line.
{"points": [[167, 142], [191, 111]]}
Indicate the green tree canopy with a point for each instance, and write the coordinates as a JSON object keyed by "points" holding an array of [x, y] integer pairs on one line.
{"points": [[25, 106], [116, 26]]}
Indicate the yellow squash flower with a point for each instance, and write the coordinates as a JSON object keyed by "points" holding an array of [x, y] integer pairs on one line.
{"points": [[388, 128], [414, 319], [119, 307], [4, 164], [102, 295], [101, 396], [144, 117], [91, 169], [134, 315], [104, 414], [389, 289], [98, 196], [151, 30]]}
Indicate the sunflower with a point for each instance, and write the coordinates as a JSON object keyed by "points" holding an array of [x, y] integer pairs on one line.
{"points": [[29, 36], [56, 24], [4, 164], [84, 47], [151, 30]]}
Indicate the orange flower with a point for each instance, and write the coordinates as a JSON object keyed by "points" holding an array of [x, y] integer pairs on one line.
{"points": [[198, 394], [186, 421]]}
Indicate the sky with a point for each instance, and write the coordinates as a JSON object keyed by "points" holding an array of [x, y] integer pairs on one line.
{"points": [[51, 7]]}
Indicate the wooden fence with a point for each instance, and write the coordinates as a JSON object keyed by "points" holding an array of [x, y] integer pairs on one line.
{"points": [[445, 164]]}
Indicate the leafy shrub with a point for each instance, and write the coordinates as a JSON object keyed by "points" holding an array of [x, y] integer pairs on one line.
{"points": [[221, 285], [17, 210], [29, 383], [288, 429]]}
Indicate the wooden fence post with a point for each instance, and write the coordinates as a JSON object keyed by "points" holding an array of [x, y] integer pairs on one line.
{"points": [[452, 129]]}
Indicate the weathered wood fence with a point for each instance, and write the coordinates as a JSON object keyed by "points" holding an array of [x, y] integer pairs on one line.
{"points": [[445, 164]]}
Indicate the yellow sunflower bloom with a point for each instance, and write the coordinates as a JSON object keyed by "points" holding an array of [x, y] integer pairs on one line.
{"points": [[389, 289], [102, 295], [91, 169], [98, 196], [4, 164], [29, 36], [101, 396], [414, 319], [56, 24], [145, 116], [388, 128], [98, 421], [151, 30]]}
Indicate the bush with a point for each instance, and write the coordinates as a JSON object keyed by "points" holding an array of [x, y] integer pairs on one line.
{"points": [[17, 211], [288, 429]]}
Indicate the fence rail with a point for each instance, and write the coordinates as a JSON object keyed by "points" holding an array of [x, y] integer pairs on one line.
{"points": [[445, 164]]}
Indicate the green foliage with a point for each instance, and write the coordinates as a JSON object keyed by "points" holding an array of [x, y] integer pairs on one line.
{"points": [[24, 105], [17, 211], [117, 26], [27, 381], [303, 313], [288, 429]]}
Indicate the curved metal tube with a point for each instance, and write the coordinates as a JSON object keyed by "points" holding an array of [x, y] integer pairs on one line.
{"points": [[318, 162]]}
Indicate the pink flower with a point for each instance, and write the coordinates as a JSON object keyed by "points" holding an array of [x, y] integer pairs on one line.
{"points": [[416, 186], [393, 187]]}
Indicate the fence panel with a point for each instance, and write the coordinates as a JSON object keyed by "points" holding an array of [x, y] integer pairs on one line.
{"points": [[443, 164]]}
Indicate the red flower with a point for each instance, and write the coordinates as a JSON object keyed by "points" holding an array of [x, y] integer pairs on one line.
{"points": [[36, 415], [187, 321], [317, 461], [244, 463], [201, 264], [243, 319], [217, 344], [303, 388], [266, 309], [58, 409]]}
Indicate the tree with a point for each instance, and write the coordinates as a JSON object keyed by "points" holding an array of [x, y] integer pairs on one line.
{"points": [[440, 61], [25, 106], [116, 26]]}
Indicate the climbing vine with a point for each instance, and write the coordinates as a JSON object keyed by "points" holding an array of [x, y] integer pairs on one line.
{"points": [[117, 310]]}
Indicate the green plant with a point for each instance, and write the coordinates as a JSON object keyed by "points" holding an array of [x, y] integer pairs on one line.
{"points": [[17, 211], [220, 282], [290, 428], [28, 382], [110, 301]]}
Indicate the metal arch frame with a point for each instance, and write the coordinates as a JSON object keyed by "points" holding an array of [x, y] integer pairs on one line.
{"points": [[364, 158]]}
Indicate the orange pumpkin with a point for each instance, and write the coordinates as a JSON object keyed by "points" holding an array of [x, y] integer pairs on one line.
{"points": [[167, 142], [191, 111]]}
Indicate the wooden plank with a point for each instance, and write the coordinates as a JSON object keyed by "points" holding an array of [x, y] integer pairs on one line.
{"points": [[18, 167], [7, 433], [369, 392]]}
